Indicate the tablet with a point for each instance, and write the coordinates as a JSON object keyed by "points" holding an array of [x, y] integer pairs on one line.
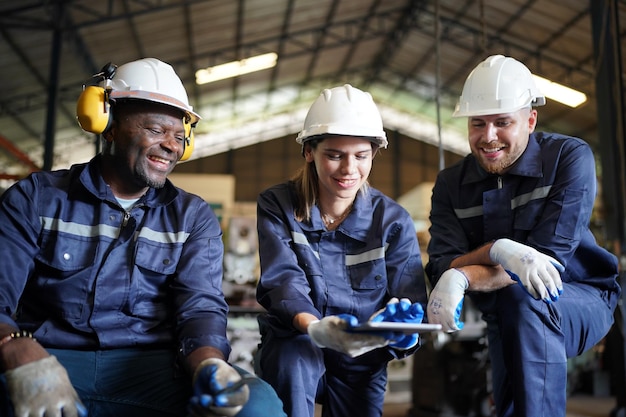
{"points": [[386, 326]]}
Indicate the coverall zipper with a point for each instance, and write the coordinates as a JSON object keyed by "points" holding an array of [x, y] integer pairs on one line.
{"points": [[126, 217]]}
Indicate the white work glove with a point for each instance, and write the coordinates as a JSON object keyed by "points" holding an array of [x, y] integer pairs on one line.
{"points": [[401, 311], [217, 390], [539, 274], [42, 388], [330, 332], [445, 302]]}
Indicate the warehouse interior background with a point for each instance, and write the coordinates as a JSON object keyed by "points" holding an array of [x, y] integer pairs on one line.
{"points": [[412, 55]]}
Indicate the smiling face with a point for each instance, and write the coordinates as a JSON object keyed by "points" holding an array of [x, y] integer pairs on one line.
{"points": [[497, 141], [143, 145], [343, 164]]}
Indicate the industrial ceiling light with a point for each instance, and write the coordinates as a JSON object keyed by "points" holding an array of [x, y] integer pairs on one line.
{"points": [[236, 68], [560, 93]]}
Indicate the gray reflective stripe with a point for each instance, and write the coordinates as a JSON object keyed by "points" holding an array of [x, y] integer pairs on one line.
{"points": [[163, 237], [84, 230], [520, 200], [370, 255], [536, 194], [77, 229], [469, 212], [300, 239]]}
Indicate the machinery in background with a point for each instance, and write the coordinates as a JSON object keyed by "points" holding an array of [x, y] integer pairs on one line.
{"points": [[241, 261], [243, 333], [241, 264], [451, 372], [241, 274]]}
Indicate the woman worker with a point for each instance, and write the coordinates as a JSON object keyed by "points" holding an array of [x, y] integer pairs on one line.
{"points": [[334, 252]]}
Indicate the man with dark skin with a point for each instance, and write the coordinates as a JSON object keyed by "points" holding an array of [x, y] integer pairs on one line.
{"points": [[110, 298]]}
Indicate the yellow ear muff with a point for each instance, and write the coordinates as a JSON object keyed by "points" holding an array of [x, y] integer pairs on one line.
{"points": [[189, 139], [93, 110]]}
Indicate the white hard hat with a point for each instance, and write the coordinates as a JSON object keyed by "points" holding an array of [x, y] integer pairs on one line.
{"points": [[497, 85], [152, 80], [345, 111]]}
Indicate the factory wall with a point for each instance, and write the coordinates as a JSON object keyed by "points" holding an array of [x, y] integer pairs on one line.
{"points": [[405, 164]]}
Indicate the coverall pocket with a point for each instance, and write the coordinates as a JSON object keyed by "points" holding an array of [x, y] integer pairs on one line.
{"points": [[160, 259], [64, 266], [150, 280], [67, 254], [368, 275], [528, 215], [570, 224]]}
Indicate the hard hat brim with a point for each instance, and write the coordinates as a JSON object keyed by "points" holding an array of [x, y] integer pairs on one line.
{"points": [[157, 98]]}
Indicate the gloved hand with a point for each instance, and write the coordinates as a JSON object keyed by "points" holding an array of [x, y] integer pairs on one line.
{"points": [[210, 379], [401, 311], [330, 332], [42, 388], [539, 274], [445, 302]]}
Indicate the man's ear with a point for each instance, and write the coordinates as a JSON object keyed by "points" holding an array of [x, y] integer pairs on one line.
{"points": [[532, 120], [108, 134]]}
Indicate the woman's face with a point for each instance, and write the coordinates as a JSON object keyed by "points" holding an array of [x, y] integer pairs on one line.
{"points": [[343, 164]]}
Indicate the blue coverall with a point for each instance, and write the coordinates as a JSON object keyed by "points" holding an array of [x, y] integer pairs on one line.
{"points": [[98, 285], [545, 201], [371, 257]]}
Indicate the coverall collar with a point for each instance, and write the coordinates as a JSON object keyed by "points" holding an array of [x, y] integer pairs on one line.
{"points": [[356, 225], [91, 179]]}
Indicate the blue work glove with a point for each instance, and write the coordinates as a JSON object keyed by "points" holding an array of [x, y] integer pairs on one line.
{"points": [[445, 302], [333, 332], [538, 273], [42, 388], [401, 311], [212, 393]]}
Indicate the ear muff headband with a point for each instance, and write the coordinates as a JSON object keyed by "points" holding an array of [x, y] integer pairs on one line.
{"points": [[93, 110]]}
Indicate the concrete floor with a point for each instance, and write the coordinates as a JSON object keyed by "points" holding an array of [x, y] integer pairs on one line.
{"points": [[399, 398], [588, 406], [577, 406]]}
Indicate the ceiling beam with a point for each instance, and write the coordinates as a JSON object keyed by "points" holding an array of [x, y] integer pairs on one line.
{"points": [[394, 40], [320, 38], [347, 58], [17, 153]]}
